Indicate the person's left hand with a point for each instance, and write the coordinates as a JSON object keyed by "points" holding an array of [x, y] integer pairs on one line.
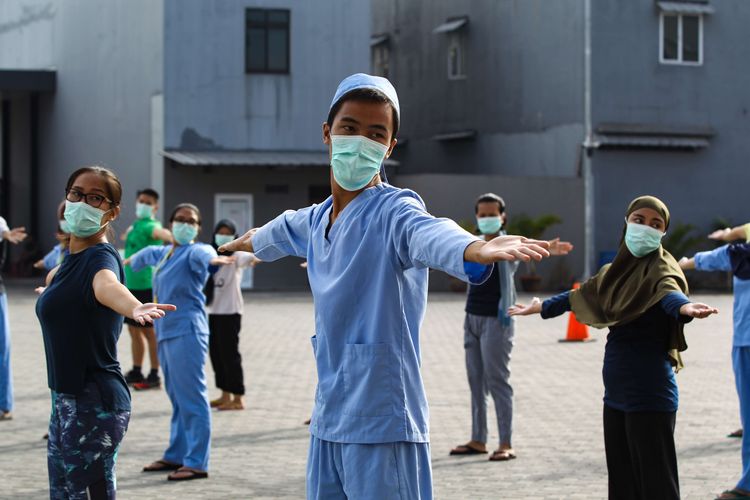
{"points": [[557, 247], [512, 248], [15, 235], [148, 312], [39, 290], [223, 260], [698, 310]]}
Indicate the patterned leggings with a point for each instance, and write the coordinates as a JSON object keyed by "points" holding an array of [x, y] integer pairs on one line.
{"points": [[82, 446]]}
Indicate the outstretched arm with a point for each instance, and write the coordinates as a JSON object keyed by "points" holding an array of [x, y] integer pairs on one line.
{"points": [[730, 234], [506, 248], [111, 293]]}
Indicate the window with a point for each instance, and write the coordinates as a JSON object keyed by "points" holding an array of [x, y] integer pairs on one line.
{"points": [[381, 56], [319, 193], [681, 39], [267, 41], [456, 69]]}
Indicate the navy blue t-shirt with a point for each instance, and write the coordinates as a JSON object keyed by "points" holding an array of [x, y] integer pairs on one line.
{"points": [[484, 299], [80, 334], [637, 372]]}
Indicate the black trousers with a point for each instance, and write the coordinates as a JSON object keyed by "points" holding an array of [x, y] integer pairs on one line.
{"points": [[641, 457], [224, 350]]}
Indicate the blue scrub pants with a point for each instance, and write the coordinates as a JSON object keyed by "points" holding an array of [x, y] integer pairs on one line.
{"points": [[368, 471], [741, 364], [6, 377], [182, 360]]}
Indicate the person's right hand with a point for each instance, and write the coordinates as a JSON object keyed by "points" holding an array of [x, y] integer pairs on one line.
{"points": [[39, 290], [148, 312], [720, 234], [15, 235], [242, 244], [521, 310]]}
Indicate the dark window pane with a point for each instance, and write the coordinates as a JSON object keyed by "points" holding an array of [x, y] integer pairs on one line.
{"points": [[278, 16], [255, 53], [670, 38], [318, 194], [277, 49], [690, 38], [256, 16]]}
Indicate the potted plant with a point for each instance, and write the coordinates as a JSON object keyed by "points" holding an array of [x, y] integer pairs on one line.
{"points": [[531, 227]]}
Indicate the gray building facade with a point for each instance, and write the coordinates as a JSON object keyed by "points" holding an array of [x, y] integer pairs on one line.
{"points": [[215, 103], [494, 98]]}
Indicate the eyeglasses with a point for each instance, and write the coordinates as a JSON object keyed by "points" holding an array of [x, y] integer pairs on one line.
{"points": [[95, 200], [190, 221]]}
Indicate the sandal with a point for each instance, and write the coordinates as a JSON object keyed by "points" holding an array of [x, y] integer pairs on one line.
{"points": [[502, 455], [735, 493], [736, 434], [161, 466], [231, 405], [215, 403], [465, 449], [187, 474], [6, 415]]}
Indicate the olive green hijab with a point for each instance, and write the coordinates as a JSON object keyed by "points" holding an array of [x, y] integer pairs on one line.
{"points": [[628, 287]]}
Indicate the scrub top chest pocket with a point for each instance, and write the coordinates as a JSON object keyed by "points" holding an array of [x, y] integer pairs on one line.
{"points": [[370, 372]]}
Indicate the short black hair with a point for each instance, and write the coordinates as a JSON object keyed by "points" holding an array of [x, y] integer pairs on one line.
{"points": [[490, 198], [148, 192], [367, 95]]}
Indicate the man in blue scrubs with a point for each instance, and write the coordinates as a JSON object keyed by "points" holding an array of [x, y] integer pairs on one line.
{"points": [[368, 248]]}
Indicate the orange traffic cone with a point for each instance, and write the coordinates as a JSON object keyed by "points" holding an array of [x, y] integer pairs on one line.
{"points": [[577, 332]]}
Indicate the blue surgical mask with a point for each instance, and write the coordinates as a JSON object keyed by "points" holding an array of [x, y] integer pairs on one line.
{"points": [[641, 239], [83, 219], [64, 226], [223, 239], [184, 233], [489, 225], [355, 160], [143, 211]]}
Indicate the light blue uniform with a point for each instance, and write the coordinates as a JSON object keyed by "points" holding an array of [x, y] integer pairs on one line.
{"points": [[54, 257], [718, 260], [182, 337], [369, 281], [6, 376]]}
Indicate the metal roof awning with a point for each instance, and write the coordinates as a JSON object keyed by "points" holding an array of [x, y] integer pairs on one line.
{"points": [[378, 39], [686, 7], [451, 25], [644, 136], [252, 158], [28, 80], [455, 136]]}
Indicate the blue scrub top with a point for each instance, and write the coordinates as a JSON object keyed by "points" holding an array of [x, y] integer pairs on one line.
{"points": [[178, 279], [369, 282], [718, 260]]}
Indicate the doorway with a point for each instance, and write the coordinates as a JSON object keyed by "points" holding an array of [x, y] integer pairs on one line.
{"points": [[239, 209]]}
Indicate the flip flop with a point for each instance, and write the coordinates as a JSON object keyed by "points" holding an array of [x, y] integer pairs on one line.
{"points": [[463, 449], [731, 494], [502, 456], [194, 474], [6, 415], [736, 434], [161, 466]]}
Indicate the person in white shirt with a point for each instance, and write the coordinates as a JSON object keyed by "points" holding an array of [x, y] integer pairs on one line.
{"points": [[224, 305]]}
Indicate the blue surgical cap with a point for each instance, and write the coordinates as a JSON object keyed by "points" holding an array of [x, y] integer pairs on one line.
{"points": [[364, 81]]}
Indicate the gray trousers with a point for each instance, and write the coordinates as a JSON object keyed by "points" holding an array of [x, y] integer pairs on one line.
{"points": [[488, 346]]}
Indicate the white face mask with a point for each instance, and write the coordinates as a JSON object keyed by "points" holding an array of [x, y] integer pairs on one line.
{"points": [[355, 160], [83, 219]]}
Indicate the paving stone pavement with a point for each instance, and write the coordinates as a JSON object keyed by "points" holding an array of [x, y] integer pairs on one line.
{"points": [[261, 452]]}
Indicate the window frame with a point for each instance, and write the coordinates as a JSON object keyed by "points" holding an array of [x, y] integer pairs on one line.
{"points": [[680, 61], [383, 50], [267, 26], [456, 39]]}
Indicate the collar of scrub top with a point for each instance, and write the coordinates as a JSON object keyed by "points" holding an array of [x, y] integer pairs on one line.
{"points": [[365, 81]]}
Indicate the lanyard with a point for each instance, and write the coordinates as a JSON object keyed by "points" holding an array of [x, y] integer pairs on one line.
{"points": [[157, 268]]}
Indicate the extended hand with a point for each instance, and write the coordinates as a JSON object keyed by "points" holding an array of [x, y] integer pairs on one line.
{"points": [[223, 260], [148, 312], [15, 235], [521, 310], [557, 247], [244, 243], [698, 310], [720, 234], [509, 248]]}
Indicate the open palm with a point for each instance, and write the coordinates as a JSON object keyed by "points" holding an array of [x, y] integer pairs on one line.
{"points": [[513, 248]]}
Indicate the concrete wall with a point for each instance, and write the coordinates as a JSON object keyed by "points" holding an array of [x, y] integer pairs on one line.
{"points": [[631, 86], [108, 57], [209, 97], [182, 182], [522, 92], [453, 196]]}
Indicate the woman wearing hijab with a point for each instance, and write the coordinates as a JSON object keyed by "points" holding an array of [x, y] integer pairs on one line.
{"points": [[735, 258], [641, 298], [225, 305]]}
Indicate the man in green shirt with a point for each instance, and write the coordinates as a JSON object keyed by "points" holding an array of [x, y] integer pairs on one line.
{"points": [[145, 231]]}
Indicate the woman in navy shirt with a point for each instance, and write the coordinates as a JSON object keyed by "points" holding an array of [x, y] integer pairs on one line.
{"points": [[81, 313], [641, 298]]}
